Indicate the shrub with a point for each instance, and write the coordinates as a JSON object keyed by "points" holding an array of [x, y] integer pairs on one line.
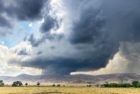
{"points": [[53, 85], [26, 84], [136, 84], [89, 85], [17, 84], [1, 83], [117, 85], [58, 85], [38, 84]]}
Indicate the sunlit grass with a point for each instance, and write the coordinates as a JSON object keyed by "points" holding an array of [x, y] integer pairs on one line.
{"points": [[67, 90]]}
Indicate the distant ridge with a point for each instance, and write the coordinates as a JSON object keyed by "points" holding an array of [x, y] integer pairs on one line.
{"points": [[119, 77]]}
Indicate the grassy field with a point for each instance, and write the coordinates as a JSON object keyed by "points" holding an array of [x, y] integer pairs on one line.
{"points": [[67, 90]]}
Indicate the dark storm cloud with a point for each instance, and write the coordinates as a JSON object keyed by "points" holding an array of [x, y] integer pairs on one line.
{"points": [[35, 42], [53, 66], [88, 28], [23, 52], [4, 22], [95, 35], [22, 10], [90, 31], [25, 9], [48, 24], [60, 66], [28, 10], [116, 22], [47, 36], [2, 8], [122, 19], [104, 28]]}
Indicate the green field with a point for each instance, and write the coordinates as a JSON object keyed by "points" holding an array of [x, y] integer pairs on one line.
{"points": [[67, 90]]}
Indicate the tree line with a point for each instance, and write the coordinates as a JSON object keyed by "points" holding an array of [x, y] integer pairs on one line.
{"points": [[135, 84], [17, 84]]}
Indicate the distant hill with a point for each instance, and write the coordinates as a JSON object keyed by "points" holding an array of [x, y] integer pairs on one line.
{"points": [[126, 77]]}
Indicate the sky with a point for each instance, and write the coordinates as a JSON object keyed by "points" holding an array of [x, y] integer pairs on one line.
{"points": [[69, 37]]}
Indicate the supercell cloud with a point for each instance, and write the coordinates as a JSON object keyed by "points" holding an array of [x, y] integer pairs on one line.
{"points": [[69, 36]]}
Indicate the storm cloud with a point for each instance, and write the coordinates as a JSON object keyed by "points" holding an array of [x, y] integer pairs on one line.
{"points": [[117, 22], [12, 11], [48, 24], [4, 22], [93, 31], [25, 9]]}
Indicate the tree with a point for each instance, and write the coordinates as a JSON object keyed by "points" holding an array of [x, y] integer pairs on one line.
{"points": [[117, 85], [17, 84], [89, 85], [136, 84], [26, 84], [1, 83], [38, 83], [53, 85], [58, 85]]}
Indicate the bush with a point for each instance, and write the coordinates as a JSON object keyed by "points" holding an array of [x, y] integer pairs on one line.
{"points": [[38, 83], [53, 85], [117, 85], [1, 83], [26, 84], [17, 84], [58, 85], [89, 85], [136, 84]]}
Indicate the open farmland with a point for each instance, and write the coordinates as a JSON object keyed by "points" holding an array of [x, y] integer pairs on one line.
{"points": [[67, 90]]}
